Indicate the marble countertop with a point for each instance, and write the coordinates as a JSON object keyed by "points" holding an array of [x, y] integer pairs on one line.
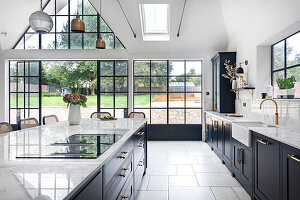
{"points": [[286, 136], [278, 133], [24, 178], [229, 119]]}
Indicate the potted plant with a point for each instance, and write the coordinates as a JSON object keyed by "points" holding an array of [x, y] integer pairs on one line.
{"points": [[286, 86], [75, 101], [230, 74]]}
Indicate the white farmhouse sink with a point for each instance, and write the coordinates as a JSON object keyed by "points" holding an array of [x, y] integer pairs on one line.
{"points": [[242, 133]]}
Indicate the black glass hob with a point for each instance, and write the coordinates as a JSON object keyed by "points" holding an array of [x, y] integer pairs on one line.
{"points": [[79, 146]]}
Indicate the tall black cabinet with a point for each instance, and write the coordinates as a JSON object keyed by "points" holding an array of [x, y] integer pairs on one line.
{"points": [[223, 98]]}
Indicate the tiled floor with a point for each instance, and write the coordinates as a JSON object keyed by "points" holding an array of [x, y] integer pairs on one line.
{"points": [[187, 171]]}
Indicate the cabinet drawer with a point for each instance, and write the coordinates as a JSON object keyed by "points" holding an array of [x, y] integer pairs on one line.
{"points": [[118, 181], [139, 151], [115, 163], [139, 172], [127, 192], [139, 136]]}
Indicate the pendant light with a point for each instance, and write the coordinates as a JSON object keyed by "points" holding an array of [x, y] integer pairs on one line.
{"points": [[77, 24], [40, 21], [100, 43]]}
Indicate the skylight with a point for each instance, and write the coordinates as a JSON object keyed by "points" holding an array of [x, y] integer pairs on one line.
{"points": [[155, 21]]}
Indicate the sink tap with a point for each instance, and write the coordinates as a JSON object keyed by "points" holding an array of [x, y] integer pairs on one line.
{"points": [[276, 113]]}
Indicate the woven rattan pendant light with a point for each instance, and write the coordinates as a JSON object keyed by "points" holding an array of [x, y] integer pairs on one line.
{"points": [[77, 24], [100, 43]]}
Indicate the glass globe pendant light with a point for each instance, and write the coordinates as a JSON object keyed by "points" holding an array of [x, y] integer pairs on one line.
{"points": [[40, 21], [100, 43], [77, 24]]}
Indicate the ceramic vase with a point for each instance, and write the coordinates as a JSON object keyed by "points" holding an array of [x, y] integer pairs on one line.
{"points": [[74, 114], [234, 84]]}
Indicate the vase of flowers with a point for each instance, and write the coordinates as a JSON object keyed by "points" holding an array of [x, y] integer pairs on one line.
{"points": [[230, 73], [75, 101]]}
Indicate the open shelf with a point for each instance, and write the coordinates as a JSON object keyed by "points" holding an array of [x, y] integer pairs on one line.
{"points": [[249, 89]]}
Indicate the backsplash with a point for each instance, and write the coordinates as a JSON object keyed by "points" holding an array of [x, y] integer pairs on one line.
{"points": [[289, 111]]}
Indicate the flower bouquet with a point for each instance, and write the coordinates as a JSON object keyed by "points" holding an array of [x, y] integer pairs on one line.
{"points": [[75, 101]]}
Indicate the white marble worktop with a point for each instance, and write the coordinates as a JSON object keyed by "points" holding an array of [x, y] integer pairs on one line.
{"points": [[53, 178], [278, 133], [284, 135], [229, 119]]}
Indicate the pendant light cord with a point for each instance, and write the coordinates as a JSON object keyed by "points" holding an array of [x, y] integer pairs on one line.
{"points": [[41, 5], [134, 35], [100, 20], [181, 18]]}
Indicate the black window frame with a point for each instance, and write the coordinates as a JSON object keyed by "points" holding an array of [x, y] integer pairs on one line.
{"points": [[69, 32], [98, 93], [168, 76], [285, 67]]}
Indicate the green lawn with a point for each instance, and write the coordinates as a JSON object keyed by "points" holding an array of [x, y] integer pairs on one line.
{"points": [[106, 100]]}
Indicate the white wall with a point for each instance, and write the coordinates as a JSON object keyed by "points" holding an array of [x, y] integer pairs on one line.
{"points": [[252, 26]]}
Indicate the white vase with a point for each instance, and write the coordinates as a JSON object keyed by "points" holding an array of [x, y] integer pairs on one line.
{"points": [[286, 93], [74, 114]]}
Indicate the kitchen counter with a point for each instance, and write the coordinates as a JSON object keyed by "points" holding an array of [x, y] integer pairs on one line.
{"points": [[229, 119], [48, 178], [278, 133]]}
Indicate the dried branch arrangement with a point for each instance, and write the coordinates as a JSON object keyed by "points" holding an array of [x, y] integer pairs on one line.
{"points": [[230, 71]]}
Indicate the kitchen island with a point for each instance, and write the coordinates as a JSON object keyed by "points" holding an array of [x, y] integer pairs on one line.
{"points": [[94, 160]]}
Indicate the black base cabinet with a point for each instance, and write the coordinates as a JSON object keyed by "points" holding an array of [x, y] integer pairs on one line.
{"points": [[242, 165], [290, 173], [227, 143], [119, 178], [266, 168]]}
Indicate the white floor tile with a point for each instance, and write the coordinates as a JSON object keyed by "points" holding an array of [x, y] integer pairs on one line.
{"points": [[224, 193], [183, 181], [222, 167], [241, 193], [205, 168], [152, 195], [216, 179], [190, 193], [161, 169], [185, 170], [158, 183], [204, 160], [182, 160]]}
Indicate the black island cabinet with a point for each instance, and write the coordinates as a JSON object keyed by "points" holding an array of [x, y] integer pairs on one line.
{"points": [[120, 177]]}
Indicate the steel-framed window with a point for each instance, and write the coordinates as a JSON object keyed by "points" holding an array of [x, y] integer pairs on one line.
{"points": [[286, 60], [145, 92], [113, 83], [86, 40], [24, 90], [25, 100]]}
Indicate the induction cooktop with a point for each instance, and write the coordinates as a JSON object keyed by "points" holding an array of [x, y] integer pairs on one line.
{"points": [[79, 146]]}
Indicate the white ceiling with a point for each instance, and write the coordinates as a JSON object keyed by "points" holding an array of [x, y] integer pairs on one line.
{"points": [[203, 25], [208, 25]]}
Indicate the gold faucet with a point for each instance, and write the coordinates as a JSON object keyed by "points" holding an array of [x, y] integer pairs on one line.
{"points": [[276, 113]]}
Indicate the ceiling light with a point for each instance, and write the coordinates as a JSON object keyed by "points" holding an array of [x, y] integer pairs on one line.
{"points": [[77, 24], [40, 21], [100, 43]]}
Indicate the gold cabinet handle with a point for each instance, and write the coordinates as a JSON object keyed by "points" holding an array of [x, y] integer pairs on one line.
{"points": [[140, 133], [124, 155], [125, 197], [141, 163], [238, 155], [294, 158], [215, 126], [141, 144], [125, 172], [262, 142], [241, 157], [206, 127]]}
